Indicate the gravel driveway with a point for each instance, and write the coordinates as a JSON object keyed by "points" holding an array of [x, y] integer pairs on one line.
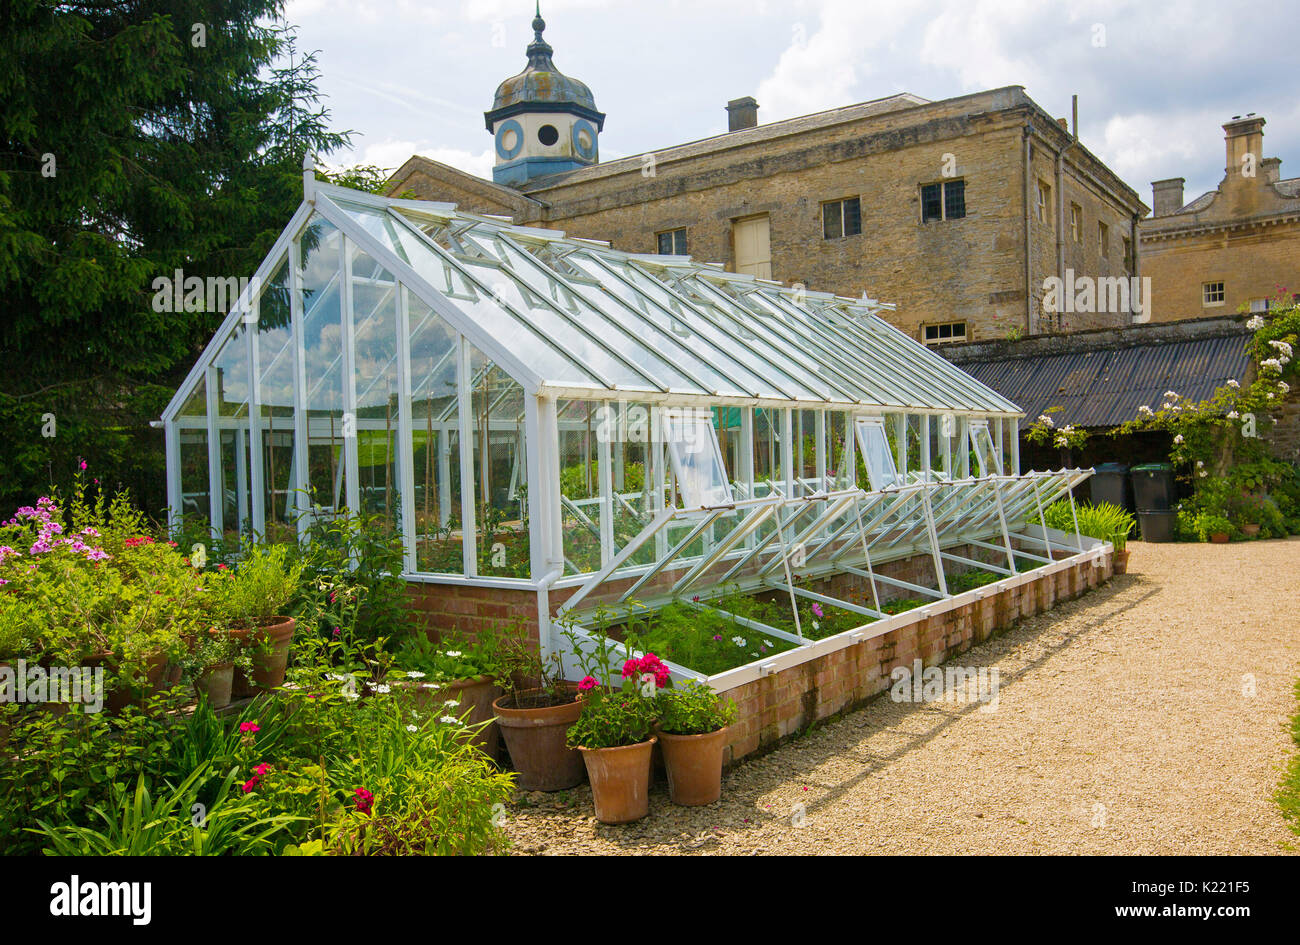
{"points": [[1125, 724]]}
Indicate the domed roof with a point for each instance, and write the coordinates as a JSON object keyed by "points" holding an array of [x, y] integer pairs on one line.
{"points": [[542, 87]]}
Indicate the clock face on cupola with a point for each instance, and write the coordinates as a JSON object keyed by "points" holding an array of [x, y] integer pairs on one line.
{"points": [[543, 122]]}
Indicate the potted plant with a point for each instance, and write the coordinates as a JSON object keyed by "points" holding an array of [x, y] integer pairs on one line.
{"points": [[1119, 560], [535, 713], [210, 664], [459, 674], [692, 729], [613, 732], [252, 599], [1214, 527]]}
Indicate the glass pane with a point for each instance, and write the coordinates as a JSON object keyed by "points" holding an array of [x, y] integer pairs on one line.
{"points": [[275, 382], [231, 372], [769, 473], [581, 506], [322, 332], [374, 332], [192, 430], [989, 463], [500, 470], [435, 441], [696, 458], [876, 454]]}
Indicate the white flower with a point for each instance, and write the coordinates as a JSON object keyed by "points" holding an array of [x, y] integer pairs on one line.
{"points": [[415, 674], [768, 643], [1045, 420], [412, 728], [1284, 387], [1178, 438], [1166, 405], [1171, 395], [351, 695], [1233, 415], [452, 703], [1202, 474], [450, 720], [1199, 464], [1256, 323], [1273, 364], [1270, 396], [382, 688], [1145, 411], [740, 641], [816, 625], [454, 654], [1232, 382], [1283, 347]]}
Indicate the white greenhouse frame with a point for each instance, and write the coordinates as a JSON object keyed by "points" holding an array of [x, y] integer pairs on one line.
{"points": [[444, 354]]}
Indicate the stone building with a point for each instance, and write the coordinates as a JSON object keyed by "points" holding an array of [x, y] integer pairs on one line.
{"points": [[956, 211], [1234, 248]]}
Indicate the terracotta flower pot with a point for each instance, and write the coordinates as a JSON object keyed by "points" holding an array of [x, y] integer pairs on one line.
{"points": [[694, 764], [474, 695], [1119, 562], [536, 740], [216, 682], [128, 694], [1250, 531], [620, 781], [1219, 538], [268, 668]]}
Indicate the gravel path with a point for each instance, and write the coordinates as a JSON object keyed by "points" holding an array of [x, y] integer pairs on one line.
{"points": [[1123, 726]]}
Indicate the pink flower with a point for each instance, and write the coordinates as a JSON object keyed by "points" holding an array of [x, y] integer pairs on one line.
{"points": [[249, 785], [83, 465], [817, 609], [588, 682], [364, 800], [249, 727]]}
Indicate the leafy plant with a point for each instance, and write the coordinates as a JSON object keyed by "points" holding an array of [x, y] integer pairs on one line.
{"points": [[1102, 521], [693, 709], [258, 587], [454, 657]]}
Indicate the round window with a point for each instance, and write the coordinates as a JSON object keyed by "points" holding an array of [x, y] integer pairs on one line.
{"points": [[547, 135]]}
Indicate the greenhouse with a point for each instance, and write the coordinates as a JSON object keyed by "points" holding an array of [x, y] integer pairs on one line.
{"points": [[614, 436]]}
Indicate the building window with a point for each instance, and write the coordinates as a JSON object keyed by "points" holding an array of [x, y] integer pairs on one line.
{"points": [[672, 242], [1044, 203], [547, 135], [1260, 305], [1076, 221], [1103, 240], [1212, 293], [944, 333], [1128, 251], [943, 201], [841, 218]]}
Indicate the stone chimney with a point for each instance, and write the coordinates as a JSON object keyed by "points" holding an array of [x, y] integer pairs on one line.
{"points": [[1167, 196], [1270, 170], [1242, 136], [742, 113]]}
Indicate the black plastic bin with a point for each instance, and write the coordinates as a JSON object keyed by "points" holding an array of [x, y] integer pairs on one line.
{"points": [[1110, 484], [1157, 525], [1153, 487]]}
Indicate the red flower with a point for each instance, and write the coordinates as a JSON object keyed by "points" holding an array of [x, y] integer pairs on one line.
{"points": [[364, 800], [648, 664], [249, 727], [588, 682]]}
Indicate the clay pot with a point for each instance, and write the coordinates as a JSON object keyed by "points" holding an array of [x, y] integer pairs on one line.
{"points": [[124, 694], [536, 740], [1119, 562], [694, 764], [268, 668], [1250, 531], [1219, 538], [216, 683], [474, 695], [620, 781]]}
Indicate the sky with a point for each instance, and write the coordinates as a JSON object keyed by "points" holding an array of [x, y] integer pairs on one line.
{"points": [[1156, 80]]}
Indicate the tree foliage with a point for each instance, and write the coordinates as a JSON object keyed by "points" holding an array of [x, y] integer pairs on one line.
{"points": [[137, 137]]}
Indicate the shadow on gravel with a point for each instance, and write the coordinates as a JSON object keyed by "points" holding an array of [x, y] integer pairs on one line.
{"points": [[696, 829]]}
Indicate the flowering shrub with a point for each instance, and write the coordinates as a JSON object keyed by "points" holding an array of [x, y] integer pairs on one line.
{"points": [[1044, 431], [84, 581]]}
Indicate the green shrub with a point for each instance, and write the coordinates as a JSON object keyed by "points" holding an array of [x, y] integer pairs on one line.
{"points": [[693, 709], [1102, 522]]}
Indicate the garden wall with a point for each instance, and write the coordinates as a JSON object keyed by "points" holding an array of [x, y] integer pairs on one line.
{"points": [[775, 706]]}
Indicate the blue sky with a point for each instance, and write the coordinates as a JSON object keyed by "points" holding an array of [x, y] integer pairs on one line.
{"points": [[1155, 80]]}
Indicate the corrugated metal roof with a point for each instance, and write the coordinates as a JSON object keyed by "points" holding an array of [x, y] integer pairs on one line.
{"points": [[1105, 387]]}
